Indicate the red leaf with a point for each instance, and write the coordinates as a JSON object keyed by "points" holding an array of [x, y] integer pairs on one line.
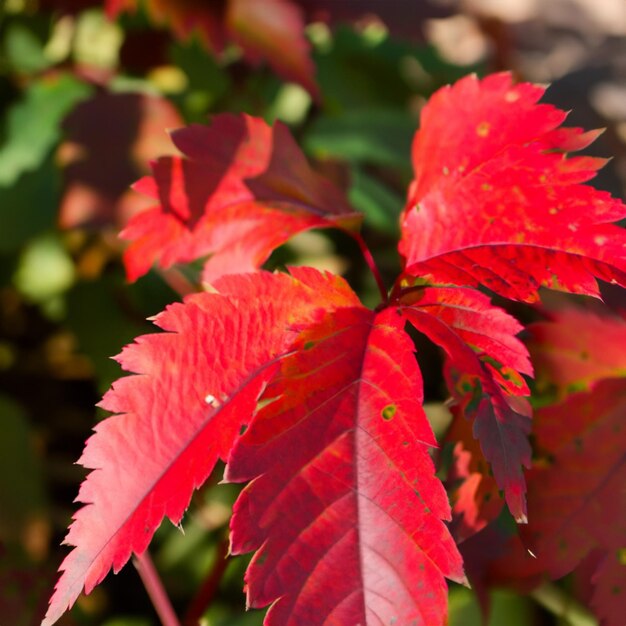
{"points": [[496, 203], [488, 390], [344, 508], [609, 596], [576, 498], [474, 492], [578, 347], [243, 189], [197, 384], [273, 30]]}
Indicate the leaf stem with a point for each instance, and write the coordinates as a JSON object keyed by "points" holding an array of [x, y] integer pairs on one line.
{"points": [[206, 593], [152, 582], [178, 282], [369, 259], [559, 603]]}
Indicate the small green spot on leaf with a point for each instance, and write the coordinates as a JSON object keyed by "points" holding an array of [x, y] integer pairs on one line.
{"points": [[482, 130], [389, 411], [308, 345]]}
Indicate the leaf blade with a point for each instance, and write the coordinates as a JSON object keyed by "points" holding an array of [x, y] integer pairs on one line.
{"points": [[194, 386], [336, 491], [488, 154]]}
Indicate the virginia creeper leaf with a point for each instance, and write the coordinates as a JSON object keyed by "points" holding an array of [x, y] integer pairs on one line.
{"points": [[495, 201], [473, 490], [344, 508], [609, 593], [270, 30], [489, 391], [576, 496], [196, 384], [577, 347], [242, 189], [267, 29], [579, 487]]}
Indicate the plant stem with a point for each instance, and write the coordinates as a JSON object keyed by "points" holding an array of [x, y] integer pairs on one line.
{"points": [[152, 582], [559, 603], [369, 259], [206, 593], [177, 281]]}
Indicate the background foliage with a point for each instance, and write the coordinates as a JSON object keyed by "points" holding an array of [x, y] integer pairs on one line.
{"points": [[85, 104]]}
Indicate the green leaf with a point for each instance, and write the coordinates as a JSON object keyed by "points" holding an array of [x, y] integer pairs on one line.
{"points": [[21, 484], [377, 136], [28, 207], [24, 50], [33, 124], [381, 205]]}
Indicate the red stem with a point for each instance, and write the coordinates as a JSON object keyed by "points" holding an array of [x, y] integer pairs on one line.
{"points": [[156, 591], [369, 259], [206, 593]]}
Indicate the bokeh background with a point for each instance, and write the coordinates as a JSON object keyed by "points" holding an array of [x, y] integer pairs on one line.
{"points": [[85, 103]]}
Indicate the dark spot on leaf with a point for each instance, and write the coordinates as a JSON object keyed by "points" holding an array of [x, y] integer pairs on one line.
{"points": [[584, 355], [616, 590], [389, 411], [487, 497], [308, 345]]}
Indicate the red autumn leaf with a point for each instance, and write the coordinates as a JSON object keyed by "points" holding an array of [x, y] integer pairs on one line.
{"points": [[344, 508], [495, 202], [273, 30], [473, 490], [609, 593], [242, 189], [577, 347], [580, 485], [486, 382], [576, 497], [196, 385], [270, 30]]}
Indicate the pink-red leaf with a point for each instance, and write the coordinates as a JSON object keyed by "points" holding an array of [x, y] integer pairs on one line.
{"points": [[489, 388], [577, 347], [495, 202], [344, 508], [242, 189], [196, 384]]}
